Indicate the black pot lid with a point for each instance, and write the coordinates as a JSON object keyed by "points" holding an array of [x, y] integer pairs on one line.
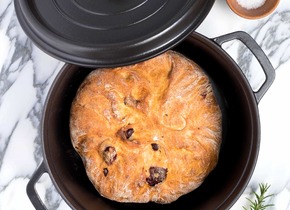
{"points": [[109, 32]]}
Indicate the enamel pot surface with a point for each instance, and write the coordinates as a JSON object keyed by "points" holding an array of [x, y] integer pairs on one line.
{"points": [[241, 132]]}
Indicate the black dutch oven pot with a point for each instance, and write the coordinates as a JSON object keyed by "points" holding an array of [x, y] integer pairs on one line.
{"points": [[241, 132], [110, 33]]}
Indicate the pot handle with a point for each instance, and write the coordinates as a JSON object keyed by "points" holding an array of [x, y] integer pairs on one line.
{"points": [[30, 188], [252, 45]]}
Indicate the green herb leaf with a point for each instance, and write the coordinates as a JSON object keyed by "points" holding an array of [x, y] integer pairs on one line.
{"points": [[259, 202]]}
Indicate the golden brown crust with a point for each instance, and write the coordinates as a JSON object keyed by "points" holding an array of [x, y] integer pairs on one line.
{"points": [[149, 131]]}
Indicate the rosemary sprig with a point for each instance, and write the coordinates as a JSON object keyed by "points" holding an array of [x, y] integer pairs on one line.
{"points": [[258, 203]]}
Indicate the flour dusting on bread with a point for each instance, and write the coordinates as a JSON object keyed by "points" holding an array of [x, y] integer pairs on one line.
{"points": [[149, 131]]}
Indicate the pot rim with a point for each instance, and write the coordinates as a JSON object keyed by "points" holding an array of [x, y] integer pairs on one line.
{"points": [[251, 101]]}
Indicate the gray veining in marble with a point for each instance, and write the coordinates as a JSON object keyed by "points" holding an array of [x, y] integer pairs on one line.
{"points": [[26, 74]]}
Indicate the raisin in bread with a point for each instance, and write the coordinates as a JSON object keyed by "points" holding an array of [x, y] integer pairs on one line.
{"points": [[149, 131]]}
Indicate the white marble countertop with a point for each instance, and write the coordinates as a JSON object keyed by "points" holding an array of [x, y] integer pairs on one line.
{"points": [[26, 74]]}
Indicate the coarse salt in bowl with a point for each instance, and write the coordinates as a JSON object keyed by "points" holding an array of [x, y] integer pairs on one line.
{"points": [[251, 4], [253, 9]]}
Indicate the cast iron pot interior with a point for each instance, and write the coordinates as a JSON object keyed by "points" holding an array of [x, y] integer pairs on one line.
{"points": [[239, 150]]}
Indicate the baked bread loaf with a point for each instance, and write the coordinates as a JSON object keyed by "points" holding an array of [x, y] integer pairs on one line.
{"points": [[149, 131]]}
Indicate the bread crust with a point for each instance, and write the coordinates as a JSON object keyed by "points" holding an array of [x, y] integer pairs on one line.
{"points": [[149, 131]]}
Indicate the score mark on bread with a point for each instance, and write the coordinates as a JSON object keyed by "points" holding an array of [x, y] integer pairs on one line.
{"points": [[149, 131]]}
